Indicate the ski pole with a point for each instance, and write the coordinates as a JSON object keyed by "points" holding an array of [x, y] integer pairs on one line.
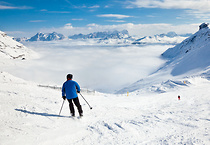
{"points": [[86, 101], [61, 107]]}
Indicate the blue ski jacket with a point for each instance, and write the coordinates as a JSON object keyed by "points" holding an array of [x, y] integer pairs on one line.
{"points": [[70, 89]]}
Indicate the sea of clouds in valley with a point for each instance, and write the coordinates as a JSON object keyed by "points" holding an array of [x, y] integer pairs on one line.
{"points": [[105, 68]]}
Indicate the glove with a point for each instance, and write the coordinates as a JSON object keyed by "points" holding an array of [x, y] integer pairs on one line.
{"points": [[64, 97], [78, 91]]}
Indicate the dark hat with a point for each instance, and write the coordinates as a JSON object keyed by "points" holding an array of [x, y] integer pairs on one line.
{"points": [[69, 76]]}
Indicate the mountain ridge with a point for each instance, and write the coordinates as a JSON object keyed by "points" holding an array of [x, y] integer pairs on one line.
{"points": [[12, 49], [189, 58], [110, 37], [168, 38], [47, 37], [103, 35]]}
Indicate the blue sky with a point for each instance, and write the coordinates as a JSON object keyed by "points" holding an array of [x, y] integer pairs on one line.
{"points": [[25, 17]]}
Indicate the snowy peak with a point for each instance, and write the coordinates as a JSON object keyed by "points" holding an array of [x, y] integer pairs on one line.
{"points": [[46, 37], [203, 25], [38, 37], [192, 55], [169, 38], [42, 37], [55, 36], [107, 37], [197, 40], [103, 35]]}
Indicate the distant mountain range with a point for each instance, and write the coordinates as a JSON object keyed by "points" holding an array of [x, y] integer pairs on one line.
{"points": [[47, 37], [56, 36], [111, 37], [43, 37], [103, 35], [169, 38]]}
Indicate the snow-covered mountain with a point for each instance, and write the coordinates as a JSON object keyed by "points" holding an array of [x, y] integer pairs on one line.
{"points": [[116, 41], [107, 37], [192, 54], [169, 38], [43, 37], [47, 37], [111, 37], [187, 59], [194, 42], [10, 48], [103, 35]]}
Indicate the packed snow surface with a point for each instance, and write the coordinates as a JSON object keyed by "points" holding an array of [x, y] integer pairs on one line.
{"points": [[29, 115]]}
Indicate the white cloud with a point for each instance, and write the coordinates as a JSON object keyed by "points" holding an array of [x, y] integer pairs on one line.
{"points": [[84, 6], [5, 7], [43, 10], [199, 15], [152, 29], [92, 10], [16, 33], [58, 12], [201, 5], [196, 8], [151, 16], [118, 21], [94, 7], [119, 61], [118, 16], [107, 6], [68, 26], [93, 25], [80, 7], [37, 21], [77, 19]]}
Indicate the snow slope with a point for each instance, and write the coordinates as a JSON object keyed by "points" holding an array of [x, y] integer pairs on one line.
{"points": [[46, 37], [29, 115], [12, 49], [192, 54]]}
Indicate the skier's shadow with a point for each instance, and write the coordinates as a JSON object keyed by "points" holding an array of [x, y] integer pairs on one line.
{"points": [[40, 114]]}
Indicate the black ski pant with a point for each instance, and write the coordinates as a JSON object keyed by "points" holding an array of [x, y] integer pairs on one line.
{"points": [[71, 106]]}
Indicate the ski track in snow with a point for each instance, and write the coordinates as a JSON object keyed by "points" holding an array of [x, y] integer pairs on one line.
{"points": [[29, 115]]}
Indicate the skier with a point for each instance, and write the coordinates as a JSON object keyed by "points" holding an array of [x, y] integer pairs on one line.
{"points": [[69, 91]]}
